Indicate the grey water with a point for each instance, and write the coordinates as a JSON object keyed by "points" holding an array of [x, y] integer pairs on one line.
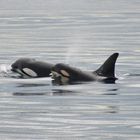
{"points": [[82, 33]]}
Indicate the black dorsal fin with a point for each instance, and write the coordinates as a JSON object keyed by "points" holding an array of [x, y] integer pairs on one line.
{"points": [[108, 68]]}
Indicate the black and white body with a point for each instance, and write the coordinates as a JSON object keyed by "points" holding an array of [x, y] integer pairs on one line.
{"points": [[31, 68], [65, 74]]}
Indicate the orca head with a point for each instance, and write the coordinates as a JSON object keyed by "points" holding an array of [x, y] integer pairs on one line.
{"points": [[61, 73], [22, 67]]}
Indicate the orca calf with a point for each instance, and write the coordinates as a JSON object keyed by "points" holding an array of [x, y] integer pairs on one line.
{"points": [[31, 68], [65, 74]]}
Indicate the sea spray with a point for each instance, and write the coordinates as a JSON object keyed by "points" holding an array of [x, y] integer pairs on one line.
{"points": [[5, 70], [75, 49]]}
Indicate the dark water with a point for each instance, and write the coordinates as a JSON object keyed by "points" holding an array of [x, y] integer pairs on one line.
{"points": [[82, 34]]}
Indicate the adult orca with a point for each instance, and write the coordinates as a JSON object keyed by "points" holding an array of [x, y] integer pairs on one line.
{"points": [[31, 68], [65, 74]]}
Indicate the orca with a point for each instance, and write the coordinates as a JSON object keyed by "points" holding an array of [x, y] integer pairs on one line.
{"points": [[31, 68], [65, 74]]}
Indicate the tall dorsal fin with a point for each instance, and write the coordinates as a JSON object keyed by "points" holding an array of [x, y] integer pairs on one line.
{"points": [[108, 68]]}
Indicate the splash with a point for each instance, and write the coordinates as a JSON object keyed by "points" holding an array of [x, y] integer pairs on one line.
{"points": [[132, 74], [5, 70]]}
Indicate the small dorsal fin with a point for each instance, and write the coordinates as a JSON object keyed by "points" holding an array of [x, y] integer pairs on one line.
{"points": [[108, 68]]}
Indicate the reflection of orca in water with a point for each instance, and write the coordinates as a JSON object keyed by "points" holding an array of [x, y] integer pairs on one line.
{"points": [[27, 67], [65, 74]]}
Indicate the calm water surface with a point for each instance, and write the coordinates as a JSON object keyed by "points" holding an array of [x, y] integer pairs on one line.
{"points": [[82, 34]]}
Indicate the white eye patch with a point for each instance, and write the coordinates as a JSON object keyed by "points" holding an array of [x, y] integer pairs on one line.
{"points": [[29, 72], [65, 73]]}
